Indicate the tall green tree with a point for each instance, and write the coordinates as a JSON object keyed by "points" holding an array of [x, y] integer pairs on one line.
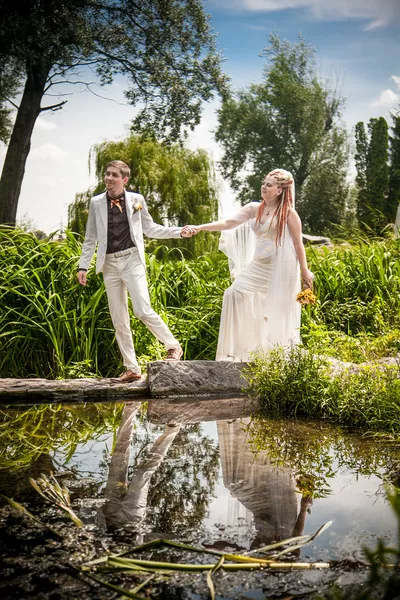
{"points": [[393, 199], [165, 48], [179, 185], [360, 157], [373, 174], [9, 87], [326, 192], [284, 121]]}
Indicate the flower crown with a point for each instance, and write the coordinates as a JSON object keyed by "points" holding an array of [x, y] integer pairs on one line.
{"points": [[284, 177]]}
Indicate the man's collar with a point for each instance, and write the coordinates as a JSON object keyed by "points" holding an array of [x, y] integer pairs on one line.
{"points": [[121, 195]]}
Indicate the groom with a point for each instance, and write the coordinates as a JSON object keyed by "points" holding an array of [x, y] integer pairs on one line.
{"points": [[116, 222]]}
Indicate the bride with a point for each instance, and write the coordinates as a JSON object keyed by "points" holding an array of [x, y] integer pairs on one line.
{"points": [[264, 244]]}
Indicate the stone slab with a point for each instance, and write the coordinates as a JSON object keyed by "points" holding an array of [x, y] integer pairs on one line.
{"points": [[316, 240], [197, 410], [196, 378], [23, 391]]}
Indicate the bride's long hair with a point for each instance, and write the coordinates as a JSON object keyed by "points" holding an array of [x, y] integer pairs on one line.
{"points": [[284, 180]]}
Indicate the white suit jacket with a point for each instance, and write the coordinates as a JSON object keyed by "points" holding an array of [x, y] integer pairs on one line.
{"points": [[140, 222]]}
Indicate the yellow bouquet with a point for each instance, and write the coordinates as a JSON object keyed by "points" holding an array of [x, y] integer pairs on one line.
{"points": [[306, 296]]}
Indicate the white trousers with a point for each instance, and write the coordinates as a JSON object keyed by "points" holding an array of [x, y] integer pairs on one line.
{"points": [[124, 274]]}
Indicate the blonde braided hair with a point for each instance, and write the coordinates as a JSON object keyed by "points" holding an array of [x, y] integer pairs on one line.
{"points": [[284, 180]]}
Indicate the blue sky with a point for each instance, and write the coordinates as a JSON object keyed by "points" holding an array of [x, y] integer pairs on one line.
{"points": [[357, 45]]}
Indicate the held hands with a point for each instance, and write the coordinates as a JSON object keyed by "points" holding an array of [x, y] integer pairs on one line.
{"points": [[189, 230], [307, 278]]}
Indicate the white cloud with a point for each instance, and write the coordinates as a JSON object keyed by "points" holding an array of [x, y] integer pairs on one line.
{"points": [[376, 24], [48, 152], [379, 14], [387, 99], [397, 81], [45, 125]]}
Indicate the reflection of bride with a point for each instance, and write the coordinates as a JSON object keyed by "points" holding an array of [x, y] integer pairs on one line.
{"points": [[265, 491], [264, 244]]}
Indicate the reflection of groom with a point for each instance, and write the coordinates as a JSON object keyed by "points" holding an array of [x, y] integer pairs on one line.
{"points": [[116, 222]]}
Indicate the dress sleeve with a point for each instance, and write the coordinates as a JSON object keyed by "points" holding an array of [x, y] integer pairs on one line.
{"points": [[243, 214]]}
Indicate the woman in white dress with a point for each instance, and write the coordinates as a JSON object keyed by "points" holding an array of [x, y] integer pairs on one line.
{"points": [[266, 256]]}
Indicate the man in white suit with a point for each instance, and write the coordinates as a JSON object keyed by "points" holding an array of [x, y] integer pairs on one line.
{"points": [[116, 222]]}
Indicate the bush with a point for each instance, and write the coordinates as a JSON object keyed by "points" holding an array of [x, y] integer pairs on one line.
{"points": [[296, 383]]}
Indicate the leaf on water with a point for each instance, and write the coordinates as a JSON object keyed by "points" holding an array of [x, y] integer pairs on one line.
{"points": [[309, 539], [277, 544]]}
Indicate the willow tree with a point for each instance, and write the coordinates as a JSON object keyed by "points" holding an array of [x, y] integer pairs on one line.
{"points": [[286, 121], [179, 185], [165, 49]]}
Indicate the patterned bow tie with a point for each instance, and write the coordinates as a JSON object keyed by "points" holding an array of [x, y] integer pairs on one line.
{"points": [[116, 202]]}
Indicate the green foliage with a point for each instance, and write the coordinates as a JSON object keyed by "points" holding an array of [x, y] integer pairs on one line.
{"points": [[50, 326], [27, 434], [393, 199], [288, 382], [179, 186], [325, 196], [373, 174], [296, 383], [358, 286], [165, 49], [182, 485], [9, 87], [290, 120], [316, 451]]}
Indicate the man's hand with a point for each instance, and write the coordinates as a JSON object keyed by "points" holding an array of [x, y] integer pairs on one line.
{"points": [[188, 231], [82, 277]]}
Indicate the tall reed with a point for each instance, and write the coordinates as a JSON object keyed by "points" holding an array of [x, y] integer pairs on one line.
{"points": [[358, 286], [50, 326]]}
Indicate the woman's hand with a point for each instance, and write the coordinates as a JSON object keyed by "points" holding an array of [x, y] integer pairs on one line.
{"points": [[189, 230], [307, 277]]}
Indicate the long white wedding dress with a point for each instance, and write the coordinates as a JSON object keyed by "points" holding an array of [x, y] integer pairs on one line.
{"points": [[259, 309]]}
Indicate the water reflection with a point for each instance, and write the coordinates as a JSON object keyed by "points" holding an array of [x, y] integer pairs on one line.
{"points": [[268, 492], [189, 466], [127, 501]]}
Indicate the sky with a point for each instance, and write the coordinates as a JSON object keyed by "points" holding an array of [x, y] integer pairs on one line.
{"points": [[357, 44]]}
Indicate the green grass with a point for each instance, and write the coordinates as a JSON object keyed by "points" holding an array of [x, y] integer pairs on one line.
{"points": [[296, 383], [52, 327], [27, 434]]}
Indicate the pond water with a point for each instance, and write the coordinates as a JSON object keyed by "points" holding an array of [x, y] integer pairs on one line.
{"points": [[204, 472]]}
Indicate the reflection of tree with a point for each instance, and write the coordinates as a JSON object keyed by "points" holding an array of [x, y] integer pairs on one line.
{"points": [[28, 433], [316, 451], [182, 486], [265, 490], [173, 475]]}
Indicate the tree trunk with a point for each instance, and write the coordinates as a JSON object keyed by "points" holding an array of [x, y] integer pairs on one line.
{"points": [[20, 143]]}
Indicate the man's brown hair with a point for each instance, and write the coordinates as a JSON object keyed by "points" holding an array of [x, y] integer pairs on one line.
{"points": [[121, 166]]}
